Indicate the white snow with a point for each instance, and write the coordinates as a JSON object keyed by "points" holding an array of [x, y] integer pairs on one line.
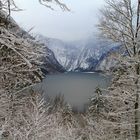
{"points": [[79, 54]]}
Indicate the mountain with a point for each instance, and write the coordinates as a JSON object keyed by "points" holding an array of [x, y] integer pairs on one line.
{"points": [[49, 63], [65, 53], [86, 55]]}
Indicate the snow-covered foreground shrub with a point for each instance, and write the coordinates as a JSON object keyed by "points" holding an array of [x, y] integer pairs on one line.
{"points": [[116, 113], [28, 116], [19, 60]]}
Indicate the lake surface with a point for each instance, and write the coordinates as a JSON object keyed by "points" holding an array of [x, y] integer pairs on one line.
{"points": [[77, 88]]}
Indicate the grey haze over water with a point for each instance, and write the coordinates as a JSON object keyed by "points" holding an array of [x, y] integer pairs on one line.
{"points": [[75, 25]]}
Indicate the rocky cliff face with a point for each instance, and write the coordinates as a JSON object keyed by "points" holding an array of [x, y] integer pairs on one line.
{"points": [[50, 65], [87, 55]]}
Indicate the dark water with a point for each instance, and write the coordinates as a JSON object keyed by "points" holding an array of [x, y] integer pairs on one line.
{"points": [[77, 88]]}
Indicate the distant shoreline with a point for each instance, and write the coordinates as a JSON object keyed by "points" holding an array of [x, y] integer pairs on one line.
{"points": [[105, 73]]}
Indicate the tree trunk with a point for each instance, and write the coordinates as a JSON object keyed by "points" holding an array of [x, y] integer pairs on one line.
{"points": [[136, 118], [137, 104]]}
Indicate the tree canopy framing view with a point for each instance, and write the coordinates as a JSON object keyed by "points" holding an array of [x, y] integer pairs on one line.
{"points": [[26, 61]]}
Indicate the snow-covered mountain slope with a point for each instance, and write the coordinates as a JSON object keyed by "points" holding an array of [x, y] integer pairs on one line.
{"points": [[91, 54], [79, 55], [65, 53], [48, 64]]}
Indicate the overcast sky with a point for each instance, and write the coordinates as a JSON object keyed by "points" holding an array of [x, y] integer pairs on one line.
{"points": [[77, 24]]}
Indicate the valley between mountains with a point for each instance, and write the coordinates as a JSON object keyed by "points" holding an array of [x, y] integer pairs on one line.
{"points": [[87, 55]]}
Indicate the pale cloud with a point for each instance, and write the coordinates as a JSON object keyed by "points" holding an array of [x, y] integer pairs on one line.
{"points": [[77, 24]]}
